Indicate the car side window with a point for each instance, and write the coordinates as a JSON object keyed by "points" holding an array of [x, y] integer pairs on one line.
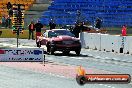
{"points": [[49, 34], [52, 34]]}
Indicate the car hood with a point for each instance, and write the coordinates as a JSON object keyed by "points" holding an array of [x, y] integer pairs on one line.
{"points": [[64, 38]]}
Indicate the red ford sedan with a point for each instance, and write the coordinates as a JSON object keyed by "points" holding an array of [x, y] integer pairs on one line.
{"points": [[59, 40]]}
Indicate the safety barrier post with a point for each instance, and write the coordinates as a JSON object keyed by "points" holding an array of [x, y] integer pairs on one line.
{"points": [[44, 60]]}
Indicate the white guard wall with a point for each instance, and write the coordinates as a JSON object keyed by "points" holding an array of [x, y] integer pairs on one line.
{"points": [[106, 42]]}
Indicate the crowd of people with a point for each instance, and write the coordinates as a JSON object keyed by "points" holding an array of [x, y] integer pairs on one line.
{"points": [[6, 21], [38, 27], [35, 27], [79, 27]]}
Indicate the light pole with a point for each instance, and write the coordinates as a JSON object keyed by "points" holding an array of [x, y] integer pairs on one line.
{"points": [[17, 36]]}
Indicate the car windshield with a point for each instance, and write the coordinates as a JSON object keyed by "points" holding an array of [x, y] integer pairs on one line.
{"points": [[56, 33]]}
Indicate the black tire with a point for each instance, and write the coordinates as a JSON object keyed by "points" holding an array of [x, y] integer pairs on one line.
{"points": [[52, 51], [38, 44], [78, 52], [48, 49]]}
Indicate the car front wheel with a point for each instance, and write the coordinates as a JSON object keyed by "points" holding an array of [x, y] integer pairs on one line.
{"points": [[78, 52], [52, 51], [39, 44]]}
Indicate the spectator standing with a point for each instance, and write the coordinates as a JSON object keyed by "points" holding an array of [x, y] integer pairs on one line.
{"points": [[78, 16], [52, 25], [38, 27], [10, 12], [31, 30], [8, 22], [81, 27], [124, 30], [98, 23], [76, 30], [9, 5], [3, 21]]}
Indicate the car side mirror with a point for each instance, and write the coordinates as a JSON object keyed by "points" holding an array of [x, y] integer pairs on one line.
{"points": [[44, 35]]}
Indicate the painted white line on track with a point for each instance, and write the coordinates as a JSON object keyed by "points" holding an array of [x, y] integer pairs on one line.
{"points": [[60, 76], [109, 86], [106, 85], [71, 57]]}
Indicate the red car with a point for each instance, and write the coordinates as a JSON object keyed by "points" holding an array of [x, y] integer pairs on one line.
{"points": [[59, 40]]}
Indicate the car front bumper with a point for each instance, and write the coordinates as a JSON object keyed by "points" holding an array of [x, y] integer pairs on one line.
{"points": [[66, 47]]}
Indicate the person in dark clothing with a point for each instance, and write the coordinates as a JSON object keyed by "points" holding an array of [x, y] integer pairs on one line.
{"points": [[3, 21], [10, 12], [38, 27], [79, 27], [8, 21], [31, 30], [52, 25], [76, 31], [9, 5], [82, 27], [6, 24], [98, 23]]}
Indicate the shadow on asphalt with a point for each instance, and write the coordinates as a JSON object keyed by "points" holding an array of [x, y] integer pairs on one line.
{"points": [[70, 55]]}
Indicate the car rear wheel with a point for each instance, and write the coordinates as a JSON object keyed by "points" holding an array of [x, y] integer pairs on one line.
{"points": [[78, 52]]}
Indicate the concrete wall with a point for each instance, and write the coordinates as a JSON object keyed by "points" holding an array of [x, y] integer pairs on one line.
{"points": [[106, 42]]}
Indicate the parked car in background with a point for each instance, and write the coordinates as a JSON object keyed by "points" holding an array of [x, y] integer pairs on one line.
{"points": [[59, 40]]}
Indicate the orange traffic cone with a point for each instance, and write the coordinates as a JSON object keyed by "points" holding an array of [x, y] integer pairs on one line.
{"points": [[81, 71]]}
